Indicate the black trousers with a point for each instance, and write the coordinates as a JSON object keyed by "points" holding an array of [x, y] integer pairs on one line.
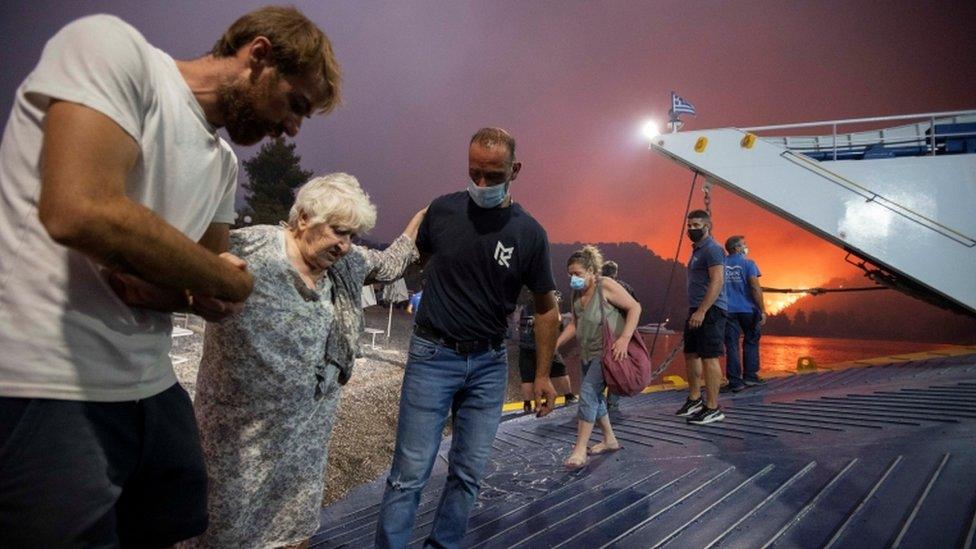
{"points": [[101, 474]]}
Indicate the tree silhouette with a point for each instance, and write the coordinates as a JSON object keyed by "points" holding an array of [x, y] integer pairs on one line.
{"points": [[886, 315], [800, 325], [273, 174]]}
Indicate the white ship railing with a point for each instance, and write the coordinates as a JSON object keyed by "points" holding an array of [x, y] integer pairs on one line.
{"points": [[923, 132]]}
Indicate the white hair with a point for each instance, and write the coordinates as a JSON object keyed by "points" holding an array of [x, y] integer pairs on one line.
{"points": [[336, 199]]}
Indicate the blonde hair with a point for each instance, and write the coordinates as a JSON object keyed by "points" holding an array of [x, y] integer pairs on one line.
{"points": [[589, 257], [298, 46], [336, 198]]}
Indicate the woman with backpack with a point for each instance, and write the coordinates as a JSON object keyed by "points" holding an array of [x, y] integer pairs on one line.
{"points": [[596, 299]]}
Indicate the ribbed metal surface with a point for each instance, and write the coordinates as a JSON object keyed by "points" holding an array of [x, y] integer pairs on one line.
{"points": [[875, 456]]}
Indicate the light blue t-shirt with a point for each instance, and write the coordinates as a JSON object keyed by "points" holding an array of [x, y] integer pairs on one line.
{"points": [[738, 271], [704, 254]]}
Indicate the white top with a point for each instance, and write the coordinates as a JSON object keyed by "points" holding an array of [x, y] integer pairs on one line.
{"points": [[63, 333]]}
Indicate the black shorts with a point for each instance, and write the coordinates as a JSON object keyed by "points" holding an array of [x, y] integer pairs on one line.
{"points": [[708, 340], [527, 366], [101, 474]]}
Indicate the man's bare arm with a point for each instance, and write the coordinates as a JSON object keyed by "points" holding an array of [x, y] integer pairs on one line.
{"points": [[757, 297], [85, 160], [716, 279], [546, 324], [216, 238]]}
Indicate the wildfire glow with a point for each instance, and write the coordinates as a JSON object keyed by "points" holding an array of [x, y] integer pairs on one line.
{"points": [[777, 302]]}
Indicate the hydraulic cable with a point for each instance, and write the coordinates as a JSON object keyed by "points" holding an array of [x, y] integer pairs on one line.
{"points": [[818, 291], [667, 292]]}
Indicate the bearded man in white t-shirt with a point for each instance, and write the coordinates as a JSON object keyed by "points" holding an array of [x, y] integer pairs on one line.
{"points": [[116, 196]]}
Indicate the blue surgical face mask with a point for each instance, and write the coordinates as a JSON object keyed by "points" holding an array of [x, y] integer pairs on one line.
{"points": [[577, 282], [488, 197]]}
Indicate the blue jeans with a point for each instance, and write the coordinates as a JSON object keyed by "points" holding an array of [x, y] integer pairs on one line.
{"points": [[747, 325], [592, 403], [438, 380]]}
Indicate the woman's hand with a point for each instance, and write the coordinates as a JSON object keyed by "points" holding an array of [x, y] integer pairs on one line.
{"points": [[419, 216], [620, 348], [414, 224]]}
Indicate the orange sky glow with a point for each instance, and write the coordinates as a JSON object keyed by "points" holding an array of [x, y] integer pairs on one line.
{"points": [[647, 204], [574, 82]]}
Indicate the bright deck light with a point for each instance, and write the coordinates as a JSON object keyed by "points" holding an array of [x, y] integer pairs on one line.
{"points": [[650, 129]]}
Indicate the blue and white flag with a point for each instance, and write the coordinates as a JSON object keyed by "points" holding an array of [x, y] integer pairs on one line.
{"points": [[680, 106]]}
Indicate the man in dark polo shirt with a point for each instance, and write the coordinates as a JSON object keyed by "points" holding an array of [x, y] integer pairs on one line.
{"points": [[705, 328], [482, 249]]}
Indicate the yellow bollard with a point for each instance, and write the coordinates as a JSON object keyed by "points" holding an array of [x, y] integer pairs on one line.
{"points": [[806, 364], [678, 381]]}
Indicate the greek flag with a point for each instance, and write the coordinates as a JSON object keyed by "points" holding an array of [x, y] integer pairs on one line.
{"points": [[680, 106]]}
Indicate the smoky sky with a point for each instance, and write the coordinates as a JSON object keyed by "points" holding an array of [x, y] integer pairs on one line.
{"points": [[573, 81]]}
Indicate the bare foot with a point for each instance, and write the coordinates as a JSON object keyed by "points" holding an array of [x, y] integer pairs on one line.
{"points": [[575, 461], [603, 448]]}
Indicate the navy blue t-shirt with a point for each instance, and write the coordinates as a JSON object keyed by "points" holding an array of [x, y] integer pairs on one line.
{"points": [[480, 259], [704, 254]]}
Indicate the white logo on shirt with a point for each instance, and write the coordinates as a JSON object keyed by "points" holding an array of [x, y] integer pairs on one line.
{"points": [[503, 254], [733, 273]]}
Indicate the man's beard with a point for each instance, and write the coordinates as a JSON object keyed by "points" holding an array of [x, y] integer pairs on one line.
{"points": [[242, 122]]}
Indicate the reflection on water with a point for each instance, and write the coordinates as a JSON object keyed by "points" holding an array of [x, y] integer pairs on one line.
{"points": [[780, 353]]}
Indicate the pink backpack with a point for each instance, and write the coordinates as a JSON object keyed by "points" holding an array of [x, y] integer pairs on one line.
{"points": [[631, 374]]}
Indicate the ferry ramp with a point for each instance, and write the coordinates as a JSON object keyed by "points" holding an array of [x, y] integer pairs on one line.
{"points": [[898, 197], [878, 455]]}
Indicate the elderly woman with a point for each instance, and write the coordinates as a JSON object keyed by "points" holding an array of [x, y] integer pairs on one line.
{"points": [[270, 377]]}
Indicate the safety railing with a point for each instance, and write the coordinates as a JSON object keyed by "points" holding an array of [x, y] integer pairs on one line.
{"points": [[923, 134]]}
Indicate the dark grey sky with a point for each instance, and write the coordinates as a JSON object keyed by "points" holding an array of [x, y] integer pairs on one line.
{"points": [[573, 81]]}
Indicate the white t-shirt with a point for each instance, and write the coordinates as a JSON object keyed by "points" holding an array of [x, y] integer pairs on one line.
{"points": [[63, 333]]}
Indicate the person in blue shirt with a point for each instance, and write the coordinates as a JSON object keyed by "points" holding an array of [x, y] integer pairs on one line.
{"points": [[746, 315], [705, 329], [413, 306]]}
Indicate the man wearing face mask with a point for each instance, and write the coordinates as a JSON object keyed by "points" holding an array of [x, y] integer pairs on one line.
{"points": [[482, 249], [747, 314], [705, 329]]}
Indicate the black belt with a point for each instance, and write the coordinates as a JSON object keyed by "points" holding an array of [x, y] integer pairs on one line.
{"points": [[460, 347]]}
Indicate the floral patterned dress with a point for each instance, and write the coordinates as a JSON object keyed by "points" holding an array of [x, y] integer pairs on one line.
{"points": [[269, 385]]}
